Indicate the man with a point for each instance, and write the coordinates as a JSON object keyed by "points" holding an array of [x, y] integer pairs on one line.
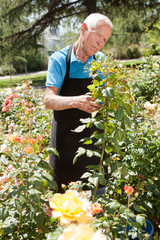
{"points": [[67, 82]]}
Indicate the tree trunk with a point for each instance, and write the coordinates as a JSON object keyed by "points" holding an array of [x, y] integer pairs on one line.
{"points": [[90, 6]]}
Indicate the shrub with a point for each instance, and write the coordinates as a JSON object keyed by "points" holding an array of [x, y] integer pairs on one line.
{"points": [[26, 181], [133, 53]]}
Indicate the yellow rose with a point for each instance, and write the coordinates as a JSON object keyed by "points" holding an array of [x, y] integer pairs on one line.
{"points": [[70, 207], [154, 75], [156, 65], [81, 232]]}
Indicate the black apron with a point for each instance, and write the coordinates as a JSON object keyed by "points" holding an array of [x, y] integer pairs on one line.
{"points": [[64, 139]]}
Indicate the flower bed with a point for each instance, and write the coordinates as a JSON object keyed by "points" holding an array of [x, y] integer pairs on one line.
{"points": [[30, 208]]}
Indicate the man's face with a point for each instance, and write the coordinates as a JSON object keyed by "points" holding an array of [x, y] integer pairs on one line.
{"points": [[94, 39]]}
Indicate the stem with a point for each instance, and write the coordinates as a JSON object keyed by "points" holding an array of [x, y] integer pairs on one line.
{"points": [[100, 165], [127, 216], [135, 116], [103, 150], [20, 217], [19, 225]]}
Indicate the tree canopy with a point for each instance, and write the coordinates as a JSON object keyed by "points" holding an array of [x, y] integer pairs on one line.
{"points": [[27, 19]]}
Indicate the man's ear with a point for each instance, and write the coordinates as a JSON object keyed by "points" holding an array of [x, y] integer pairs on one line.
{"points": [[84, 27]]}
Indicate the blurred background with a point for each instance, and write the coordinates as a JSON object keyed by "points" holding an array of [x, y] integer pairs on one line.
{"points": [[31, 30]]}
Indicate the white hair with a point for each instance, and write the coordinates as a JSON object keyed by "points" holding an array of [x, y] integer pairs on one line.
{"points": [[92, 20]]}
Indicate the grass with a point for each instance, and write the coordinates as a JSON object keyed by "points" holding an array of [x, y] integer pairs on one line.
{"points": [[36, 79], [137, 62], [40, 79]]}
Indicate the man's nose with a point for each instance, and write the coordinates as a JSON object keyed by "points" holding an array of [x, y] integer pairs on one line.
{"points": [[100, 41]]}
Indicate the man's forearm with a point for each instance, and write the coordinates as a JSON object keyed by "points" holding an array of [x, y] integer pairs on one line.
{"points": [[59, 102]]}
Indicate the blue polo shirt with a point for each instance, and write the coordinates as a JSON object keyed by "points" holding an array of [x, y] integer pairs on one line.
{"points": [[57, 67]]}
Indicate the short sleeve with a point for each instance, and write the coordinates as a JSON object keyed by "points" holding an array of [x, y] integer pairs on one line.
{"points": [[56, 72]]}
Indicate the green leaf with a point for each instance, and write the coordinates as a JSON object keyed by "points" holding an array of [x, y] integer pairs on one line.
{"points": [[38, 184], [108, 92], [91, 87], [113, 205], [51, 236], [34, 191], [116, 146], [80, 152], [119, 113], [100, 141], [127, 107], [40, 219], [141, 220], [53, 150], [55, 234], [88, 142], [98, 78], [95, 82], [137, 208], [89, 153], [93, 180], [4, 213], [79, 129], [117, 134], [99, 125], [18, 204], [86, 175], [124, 172], [85, 120], [127, 121], [47, 175]]}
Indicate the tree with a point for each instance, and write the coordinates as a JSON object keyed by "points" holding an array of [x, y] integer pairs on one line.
{"points": [[152, 40], [30, 18], [23, 22]]}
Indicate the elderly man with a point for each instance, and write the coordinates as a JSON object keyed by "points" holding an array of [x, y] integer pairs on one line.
{"points": [[67, 82]]}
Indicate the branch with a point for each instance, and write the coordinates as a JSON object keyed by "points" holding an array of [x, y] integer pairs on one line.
{"points": [[41, 24]]}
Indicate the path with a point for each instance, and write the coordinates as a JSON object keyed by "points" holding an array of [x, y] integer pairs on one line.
{"points": [[22, 74]]}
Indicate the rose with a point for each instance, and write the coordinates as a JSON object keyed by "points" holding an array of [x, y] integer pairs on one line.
{"points": [[95, 208], [14, 138], [150, 106], [28, 149], [27, 111], [128, 189], [80, 232], [70, 207], [32, 141]]}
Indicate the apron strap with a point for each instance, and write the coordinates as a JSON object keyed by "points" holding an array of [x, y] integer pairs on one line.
{"points": [[68, 61]]}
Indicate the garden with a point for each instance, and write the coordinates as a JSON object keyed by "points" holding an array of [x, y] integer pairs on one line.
{"points": [[127, 141]]}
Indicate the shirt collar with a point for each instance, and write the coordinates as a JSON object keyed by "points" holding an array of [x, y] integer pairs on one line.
{"points": [[74, 59]]}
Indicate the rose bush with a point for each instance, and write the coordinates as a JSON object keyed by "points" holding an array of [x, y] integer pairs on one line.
{"points": [[25, 177], [127, 140]]}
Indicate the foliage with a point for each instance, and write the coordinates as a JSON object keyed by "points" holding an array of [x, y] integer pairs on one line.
{"points": [[131, 149], [25, 176], [133, 52], [111, 120], [22, 23], [6, 70], [146, 83], [127, 142], [152, 40]]}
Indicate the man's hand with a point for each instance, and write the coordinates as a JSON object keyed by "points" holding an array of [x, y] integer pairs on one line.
{"points": [[86, 104], [83, 102]]}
